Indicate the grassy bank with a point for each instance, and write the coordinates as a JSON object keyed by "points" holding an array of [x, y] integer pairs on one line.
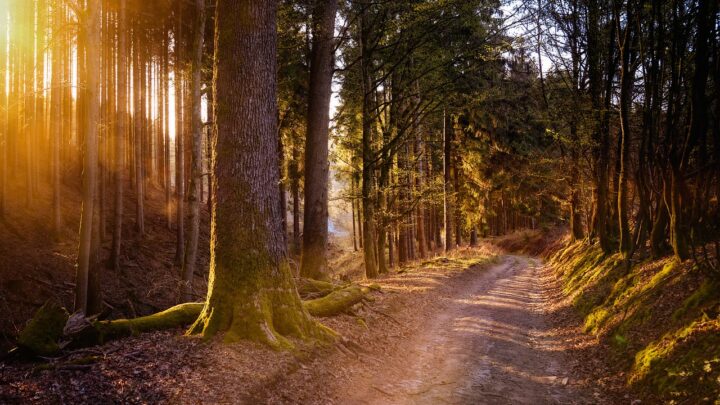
{"points": [[660, 317]]}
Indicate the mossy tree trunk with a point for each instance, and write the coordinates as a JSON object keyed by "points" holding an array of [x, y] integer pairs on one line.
{"points": [[251, 291]]}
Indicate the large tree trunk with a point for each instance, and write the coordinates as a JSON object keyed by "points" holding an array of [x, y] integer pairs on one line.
{"points": [[196, 169], [252, 293], [313, 263], [83, 295]]}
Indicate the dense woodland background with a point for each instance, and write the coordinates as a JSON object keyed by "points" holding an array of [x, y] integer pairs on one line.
{"points": [[451, 121]]}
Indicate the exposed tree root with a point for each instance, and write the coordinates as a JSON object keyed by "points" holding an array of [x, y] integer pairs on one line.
{"points": [[337, 302], [179, 315], [309, 288], [45, 330]]}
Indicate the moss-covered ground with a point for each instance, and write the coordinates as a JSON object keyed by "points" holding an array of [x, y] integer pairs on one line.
{"points": [[660, 317]]}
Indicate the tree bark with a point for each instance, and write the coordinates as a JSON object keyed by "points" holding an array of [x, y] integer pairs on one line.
{"points": [[313, 263], [120, 136], [252, 293], [626, 45], [56, 119], [196, 169], [447, 185], [179, 146], [138, 120], [368, 156], [91, 31]]}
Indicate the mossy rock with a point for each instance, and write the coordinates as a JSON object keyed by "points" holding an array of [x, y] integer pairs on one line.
{"points": [[42, 333]]}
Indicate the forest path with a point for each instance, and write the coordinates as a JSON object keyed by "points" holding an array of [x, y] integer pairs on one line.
{"points": [[491, 343]]}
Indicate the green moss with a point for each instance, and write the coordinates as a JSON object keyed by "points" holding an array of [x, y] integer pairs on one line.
{"points": [[596, 319], [42, 333], [258, 308], [621, 306], [177, 316], [336, 302], [683, 363], [707, 293]]}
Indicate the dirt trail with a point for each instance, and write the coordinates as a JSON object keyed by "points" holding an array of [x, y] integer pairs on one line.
{"points": [[491, 343], [445, 331]]}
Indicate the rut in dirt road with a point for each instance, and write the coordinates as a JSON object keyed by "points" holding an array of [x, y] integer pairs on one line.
{"points": [[491, 344]]}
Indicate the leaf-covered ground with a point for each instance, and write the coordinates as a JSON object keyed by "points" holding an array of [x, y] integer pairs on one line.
{"points": [[468, 327]]}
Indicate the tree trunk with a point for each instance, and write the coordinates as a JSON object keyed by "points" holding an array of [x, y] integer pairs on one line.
{"points": [[295, 191], [196, 169], [139, 130], [85, 266], [179, 147], [447, 185], [252, 293], [626, 81], [56, 120], [166, 107], [313, 263], [120, 136], [368, 155]]}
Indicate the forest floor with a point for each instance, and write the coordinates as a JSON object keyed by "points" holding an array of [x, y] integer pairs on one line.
{"points": [[470, 328]]}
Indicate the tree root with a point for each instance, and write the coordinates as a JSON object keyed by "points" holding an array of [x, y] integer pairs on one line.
{"points": [[179, 315], [309, 288], [44, 332], [336, 302]]}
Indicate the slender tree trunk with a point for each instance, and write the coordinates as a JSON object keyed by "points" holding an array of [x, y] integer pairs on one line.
{"points": [[196, 171], [166, 106], [138, 119], [294, 174], [56, 119], [121, 136], [626, 80], [252, 294], [91, 30], [368, 155], [4, 121], [179, 146], [447, 185]]}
